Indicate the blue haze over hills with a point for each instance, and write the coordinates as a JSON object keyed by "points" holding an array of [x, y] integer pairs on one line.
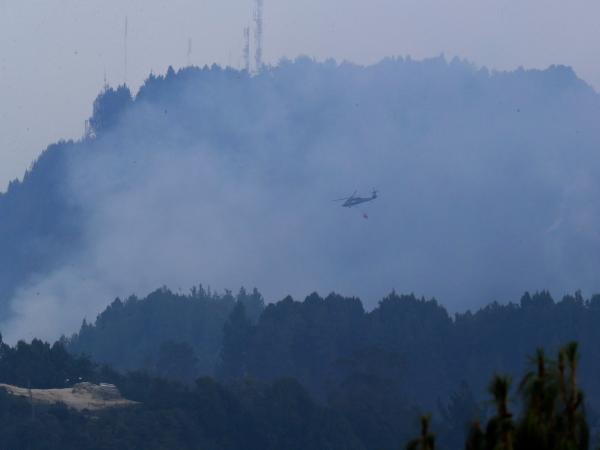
{"points": [[488, 187]]}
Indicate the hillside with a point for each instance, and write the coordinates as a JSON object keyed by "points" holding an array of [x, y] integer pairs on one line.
{"points": [[373, 371], [159, 414], [487, 183], [407, 354]]}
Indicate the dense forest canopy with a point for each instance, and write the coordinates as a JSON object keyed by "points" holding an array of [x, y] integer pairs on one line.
{"points": [[168, 319], [202, 415], [361, 378], [377, 368], [487, 184]]}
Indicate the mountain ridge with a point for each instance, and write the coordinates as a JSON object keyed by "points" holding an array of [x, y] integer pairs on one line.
{"points": [[206, 149]]}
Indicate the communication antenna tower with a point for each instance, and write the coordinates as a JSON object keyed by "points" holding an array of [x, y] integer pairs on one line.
{"points": [[189, 52], [105, 86], [258, 34], [125, 48], [247, 49]]}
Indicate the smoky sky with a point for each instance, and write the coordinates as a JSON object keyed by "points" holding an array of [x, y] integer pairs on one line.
{"points": [[487, 189], [55, 54]]}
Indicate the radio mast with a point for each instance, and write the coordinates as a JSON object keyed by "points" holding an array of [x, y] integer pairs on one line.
{"points": [[125, 49], [247, 49], [258, 34]]}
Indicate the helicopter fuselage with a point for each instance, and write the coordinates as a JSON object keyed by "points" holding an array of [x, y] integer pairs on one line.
{"points": [[353, 201]]}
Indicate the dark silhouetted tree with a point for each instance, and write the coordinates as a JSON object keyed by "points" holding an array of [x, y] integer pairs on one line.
{"points": [[176, 360], [426, 441]]}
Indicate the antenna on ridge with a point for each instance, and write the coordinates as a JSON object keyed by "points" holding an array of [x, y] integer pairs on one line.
{"points": [[125, 46], [258, 34], [247, 49], [189, 52]]}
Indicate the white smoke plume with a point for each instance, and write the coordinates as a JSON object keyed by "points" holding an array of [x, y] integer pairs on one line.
{"points": [[488, 187]]}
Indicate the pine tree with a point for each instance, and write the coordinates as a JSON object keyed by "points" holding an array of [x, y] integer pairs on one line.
{"points": [[426, 441]]}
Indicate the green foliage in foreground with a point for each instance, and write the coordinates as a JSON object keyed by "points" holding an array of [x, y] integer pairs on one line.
{"points": [[552, 417]]}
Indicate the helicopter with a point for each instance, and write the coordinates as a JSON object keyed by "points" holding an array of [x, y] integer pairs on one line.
{"points": [[351, 201]]}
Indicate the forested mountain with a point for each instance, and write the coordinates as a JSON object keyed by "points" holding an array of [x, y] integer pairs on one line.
{"points": [[322, 341], [488, 189], [414, 342], [487, 184], [362, 377], [38, 228], [376, 368]]}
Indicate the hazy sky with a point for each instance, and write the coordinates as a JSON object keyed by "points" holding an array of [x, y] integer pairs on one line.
{"points": [[54, 53]]}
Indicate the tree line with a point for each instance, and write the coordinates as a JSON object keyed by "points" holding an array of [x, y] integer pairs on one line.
{"points": [[202, 415], [375, 368], [550, 413]]}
